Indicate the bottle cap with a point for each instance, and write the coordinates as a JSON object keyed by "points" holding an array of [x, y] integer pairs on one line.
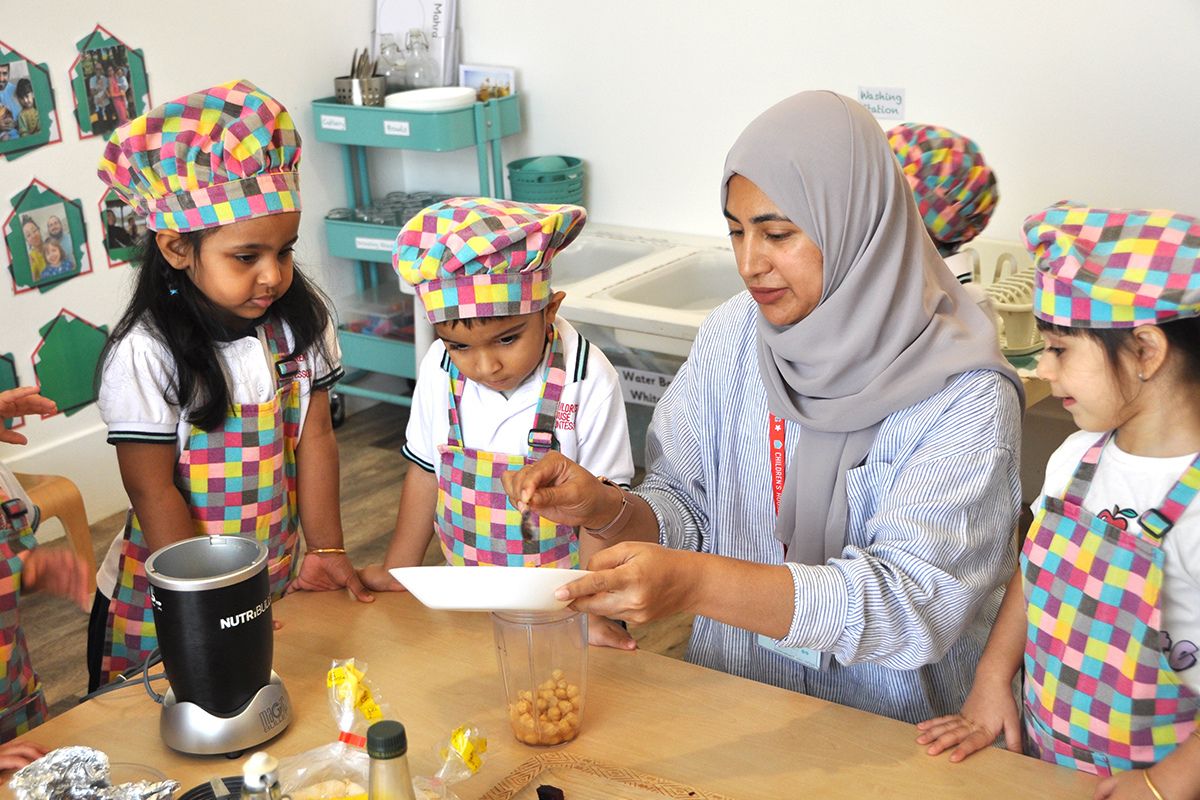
{"points": [[386, 739], [260, 772]]}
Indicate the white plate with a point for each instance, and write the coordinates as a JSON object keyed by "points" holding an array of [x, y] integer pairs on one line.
{"points": [[487, 588], [437, 98]]}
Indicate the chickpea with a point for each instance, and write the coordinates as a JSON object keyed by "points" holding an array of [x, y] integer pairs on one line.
{"points": [[557, 674], [554, 714]]}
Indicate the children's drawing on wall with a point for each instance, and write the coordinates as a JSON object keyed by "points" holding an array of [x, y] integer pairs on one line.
{"points": [[109, 82], [46, 239], [122, 228], [65, 360], [27, 116]]}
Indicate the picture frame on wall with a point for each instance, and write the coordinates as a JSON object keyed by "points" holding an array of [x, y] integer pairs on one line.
{"points": [[488, 82], [121, 228], [109, 83], [46, 239], [28, 118]]}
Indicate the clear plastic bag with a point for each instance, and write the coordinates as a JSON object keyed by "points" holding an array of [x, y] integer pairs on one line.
{"points": [[334, 771], [338, 771], [461, 755]]}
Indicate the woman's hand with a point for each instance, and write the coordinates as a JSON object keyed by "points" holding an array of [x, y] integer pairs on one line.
{"points": [[14, 755], [377, 579], [990, 710], [559, 489], [324, 573], [59, 571], [635, 581], [19, 402]]}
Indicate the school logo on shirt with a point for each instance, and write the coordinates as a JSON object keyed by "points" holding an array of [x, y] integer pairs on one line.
{"points": [[565, 421]]}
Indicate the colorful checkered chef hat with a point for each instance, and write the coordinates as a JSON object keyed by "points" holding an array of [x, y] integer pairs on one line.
{"points": [[955, 190], [217, 156], [481, 257], [1100, 268]]}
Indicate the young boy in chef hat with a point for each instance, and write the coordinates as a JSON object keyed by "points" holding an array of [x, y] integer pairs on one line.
{"points": [[506, 381]]}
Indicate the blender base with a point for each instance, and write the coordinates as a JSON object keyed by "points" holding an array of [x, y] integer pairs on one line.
{"points": [[188, 728]]}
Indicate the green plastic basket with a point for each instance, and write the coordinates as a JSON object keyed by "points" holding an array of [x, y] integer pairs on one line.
{"points": [[538, 180]]}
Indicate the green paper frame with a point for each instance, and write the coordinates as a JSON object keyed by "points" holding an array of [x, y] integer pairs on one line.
{"points": [[98, 45], [78, 388], [32, 201], [43, 97]]}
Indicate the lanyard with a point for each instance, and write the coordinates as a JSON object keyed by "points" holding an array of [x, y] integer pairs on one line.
{"points": [[777, 435]]}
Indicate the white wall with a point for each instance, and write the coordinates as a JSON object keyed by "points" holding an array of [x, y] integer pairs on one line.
{"points": [[1088, 101], [291, 50], [1092, 101]]}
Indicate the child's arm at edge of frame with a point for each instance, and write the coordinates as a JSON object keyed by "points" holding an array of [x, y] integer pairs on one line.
{"points": [[414, 529], [148, 473], [990, 709]]}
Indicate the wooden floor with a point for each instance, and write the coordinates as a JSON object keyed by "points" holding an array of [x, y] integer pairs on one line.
{"points": [[372, 469]]}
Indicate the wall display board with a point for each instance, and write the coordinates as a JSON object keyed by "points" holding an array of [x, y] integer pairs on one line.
{"points": [[28, 118], [109, 83], [46, 239], [65, 361]]}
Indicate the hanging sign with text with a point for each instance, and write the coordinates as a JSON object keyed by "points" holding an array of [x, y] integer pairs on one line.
{"points": [[884, 102]]}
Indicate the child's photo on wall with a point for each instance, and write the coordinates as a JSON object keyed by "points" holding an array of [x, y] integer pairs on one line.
{"points": [[51, 254], [109, 90]]}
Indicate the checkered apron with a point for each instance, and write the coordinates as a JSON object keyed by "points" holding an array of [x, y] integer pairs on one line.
{"points": [[1100, 695], [237, 479], [475, 520], [22, 704]]}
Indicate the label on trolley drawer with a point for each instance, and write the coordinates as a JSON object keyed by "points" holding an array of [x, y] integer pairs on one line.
{"points": [[333, 122], [395, 127], [368, 243]]}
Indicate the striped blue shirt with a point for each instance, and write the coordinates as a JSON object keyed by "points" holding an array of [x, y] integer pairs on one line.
{"points": [[907, 608]]}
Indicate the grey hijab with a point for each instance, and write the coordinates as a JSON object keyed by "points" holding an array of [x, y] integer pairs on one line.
{"points": [[892, 327]]}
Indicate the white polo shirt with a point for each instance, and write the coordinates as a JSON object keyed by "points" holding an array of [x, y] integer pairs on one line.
{"points": [[591, 426], [137, 379]]}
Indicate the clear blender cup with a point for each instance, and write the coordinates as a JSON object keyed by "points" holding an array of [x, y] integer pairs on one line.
{"points": [[543, 663]]}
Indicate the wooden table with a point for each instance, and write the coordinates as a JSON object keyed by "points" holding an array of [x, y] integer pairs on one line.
{"points": [[646, 712]]}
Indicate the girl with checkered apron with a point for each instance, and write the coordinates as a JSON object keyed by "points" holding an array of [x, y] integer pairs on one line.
{"points": [[214, 383], [25, 568], [508, 381], [1101, 616]]}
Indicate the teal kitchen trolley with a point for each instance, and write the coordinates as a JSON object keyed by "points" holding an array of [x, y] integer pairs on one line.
{"points": [[358, 128]]}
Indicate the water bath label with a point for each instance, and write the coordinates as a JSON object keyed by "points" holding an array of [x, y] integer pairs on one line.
{"points": [[333, 122], [641, 387], [884, 102], [367, 243], [395, 127]]}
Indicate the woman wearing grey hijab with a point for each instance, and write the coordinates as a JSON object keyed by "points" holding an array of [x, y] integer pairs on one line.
{"points": [[832, 477]]}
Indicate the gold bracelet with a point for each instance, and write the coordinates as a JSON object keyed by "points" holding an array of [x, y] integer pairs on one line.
{"points": [[1150, 785], [326, 551]]}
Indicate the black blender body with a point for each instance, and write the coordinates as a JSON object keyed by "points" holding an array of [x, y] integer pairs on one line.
{"points": [[212, 613]]}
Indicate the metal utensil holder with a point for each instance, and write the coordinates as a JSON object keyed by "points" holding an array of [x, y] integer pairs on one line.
{"points": [[370, 91]]}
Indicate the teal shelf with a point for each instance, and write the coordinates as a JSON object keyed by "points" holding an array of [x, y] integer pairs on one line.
{"points": [[377, 354], [436, 131], [361, 241], [357, 128]]}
